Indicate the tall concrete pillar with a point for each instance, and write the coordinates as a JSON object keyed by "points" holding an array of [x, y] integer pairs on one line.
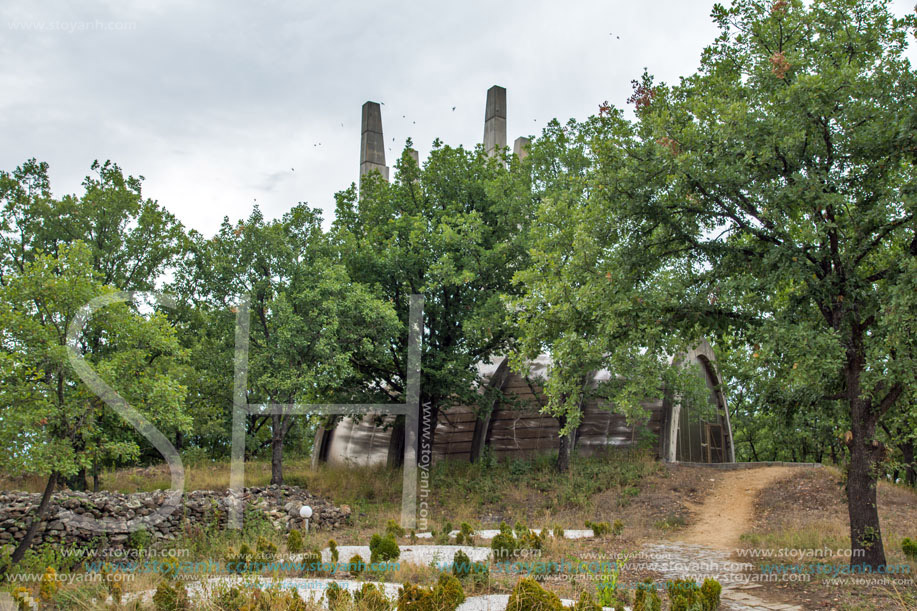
{"points": [[372, 143], [495, 120], [521, 147]]}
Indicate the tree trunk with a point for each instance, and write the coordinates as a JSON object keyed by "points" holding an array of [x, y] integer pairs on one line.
{"points": [[865, 451], [395, 458], [36, 522], [564, 450], [280, 424], [910, 469]]}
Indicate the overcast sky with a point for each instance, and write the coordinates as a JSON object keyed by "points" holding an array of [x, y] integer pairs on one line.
{"points": [[222, 104]]}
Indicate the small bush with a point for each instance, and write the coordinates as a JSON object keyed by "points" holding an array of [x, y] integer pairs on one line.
{"points": [[503, 545], [446, 595], [139, 539], [599, 529], [909, 547], [646, 598], [710, 594], [356, 564], [333, 548], [459, 538], [240, 562], [558, 531], [370, 597], [49, 584], [229, 599], [528, 595], [171, 596], [267, 551], [394, 529], [617, 527], [312, 561], [383, 548], [461, 564], [684, 595], [337, 597], [294, 542]]}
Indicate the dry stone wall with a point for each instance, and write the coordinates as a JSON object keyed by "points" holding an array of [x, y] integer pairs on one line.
{"points": [[198, 509]]}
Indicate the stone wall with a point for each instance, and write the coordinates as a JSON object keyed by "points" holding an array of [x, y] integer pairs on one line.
{"points": [[198, 509]]}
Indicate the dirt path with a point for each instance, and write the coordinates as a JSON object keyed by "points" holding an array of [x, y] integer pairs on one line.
{"points": [[729, 510]]}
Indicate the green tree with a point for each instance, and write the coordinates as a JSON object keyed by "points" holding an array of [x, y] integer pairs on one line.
{"points": [[784, 188], [579, 301], [132, 241], [51, 424], [453, 231], [309, 322]]}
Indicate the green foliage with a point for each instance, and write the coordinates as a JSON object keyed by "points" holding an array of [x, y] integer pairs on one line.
{"points": [[609, 591], [338, 598], [370, 597], [909, 547], [646, 597], [599, 529], [356, 564], [171, 596], [710, 594], [294, 541], [333, 548], [687, 595], [461, 564], [383, 548], [528, 595], [558, 531], [394, 529], [312, 561], [139, 539], [445, 595]]}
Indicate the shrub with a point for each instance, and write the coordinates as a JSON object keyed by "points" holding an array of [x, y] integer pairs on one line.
{"points": [[171, 596], [461, 564], [394, 529], [294, 542], [230, 599], [370, 597], [312, 561], [356, 564], [646, 598], [558, 531], [528, 595], [468, 532], [383, 548], [909, 547], [459, 538], [684, 595], [412, 597], [710, 594], [337, 597], [169, 567], [599, 529], [49, 584], [139, 539], [267, 551], [503, 545], [240, 562], [333, 547], [617, 527], [446, 595]]}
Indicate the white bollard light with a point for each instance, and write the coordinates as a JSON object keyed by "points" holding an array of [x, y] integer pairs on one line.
{"points": [[305, 512]]}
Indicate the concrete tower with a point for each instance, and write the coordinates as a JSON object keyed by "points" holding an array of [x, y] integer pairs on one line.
{"points": [[495, 120], [521, 147], [372, 143]]}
